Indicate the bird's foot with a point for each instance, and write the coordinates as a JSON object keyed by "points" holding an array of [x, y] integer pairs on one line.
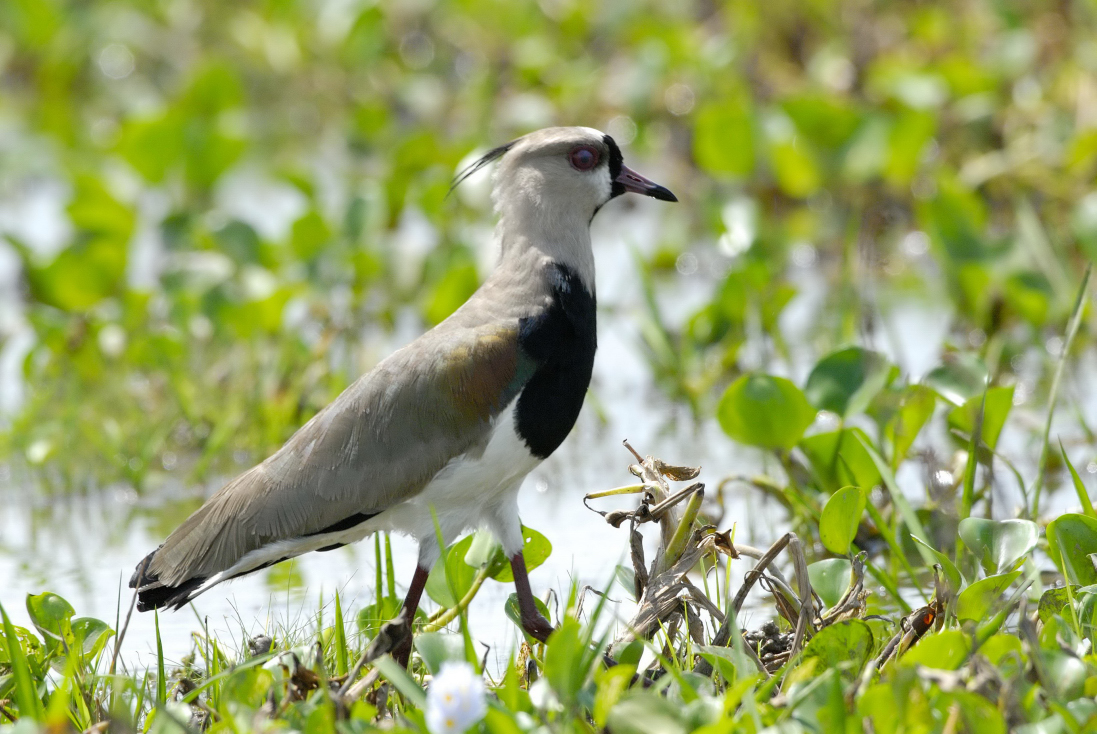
{"points": [[537, 626]]}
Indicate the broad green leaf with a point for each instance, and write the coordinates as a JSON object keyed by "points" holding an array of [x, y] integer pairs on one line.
{"points": [[514, 612], [52, 616], [645, 712], [845, 381], [830, 579], [1053, 601], [944, 650], [955, 580], [840, 519], [999, 544], [764, 411], [1071, 538], [439, 647], [839, 458], [962, 377], [916, 408], [827, 120], [848, 641], [908, 137], [1066, 673], [998, 404], [976, 601], [723, 138], [451, 578], [979, 716], [1031, 295], [998, 647], [536, 551], [90, 636], [309, 235]]}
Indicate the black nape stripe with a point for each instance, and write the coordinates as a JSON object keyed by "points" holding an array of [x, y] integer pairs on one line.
{"points": [[345, 524], [560, 343], [616, 161]]}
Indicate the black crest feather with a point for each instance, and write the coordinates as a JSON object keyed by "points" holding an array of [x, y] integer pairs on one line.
{"points": [[492, 155]]}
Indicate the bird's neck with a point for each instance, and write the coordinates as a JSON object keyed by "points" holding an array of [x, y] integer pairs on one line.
{"points": [[560, 236]]}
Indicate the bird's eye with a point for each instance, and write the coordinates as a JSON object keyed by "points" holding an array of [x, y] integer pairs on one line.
{"points": [[583, 158]]}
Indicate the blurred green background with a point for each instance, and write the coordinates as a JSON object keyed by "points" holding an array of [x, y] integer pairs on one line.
{"points": [[207, 209]]}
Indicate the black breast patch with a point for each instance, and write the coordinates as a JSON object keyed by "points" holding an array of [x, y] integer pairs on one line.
{"points": [[559, 345]]}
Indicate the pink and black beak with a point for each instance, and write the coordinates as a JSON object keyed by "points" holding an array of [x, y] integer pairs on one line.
{"points": [[625, 179], [630, 180]]}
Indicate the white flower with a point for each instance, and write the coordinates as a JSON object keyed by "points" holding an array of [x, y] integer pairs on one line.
{"points": [[455, 700]]}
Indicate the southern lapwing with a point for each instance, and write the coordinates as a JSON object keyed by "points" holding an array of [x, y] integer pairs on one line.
{"points": [[454, 421]]}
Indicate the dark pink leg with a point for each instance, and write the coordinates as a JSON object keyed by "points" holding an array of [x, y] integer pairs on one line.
{"points": [[402, 652], [532, 620]]}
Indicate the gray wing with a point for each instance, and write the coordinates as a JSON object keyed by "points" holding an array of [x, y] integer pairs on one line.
{"points": [[378, 443]]}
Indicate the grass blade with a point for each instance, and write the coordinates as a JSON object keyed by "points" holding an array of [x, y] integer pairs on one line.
{"points": [[340, 638], [161, 678], [1083, 495], [26, 692], [1072, 329]]}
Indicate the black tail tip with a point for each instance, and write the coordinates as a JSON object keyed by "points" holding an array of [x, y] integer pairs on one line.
{"points": [[151, 594]]}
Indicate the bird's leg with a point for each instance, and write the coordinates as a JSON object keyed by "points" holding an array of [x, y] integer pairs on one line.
{"points": [[402, 652], [532, 620]]}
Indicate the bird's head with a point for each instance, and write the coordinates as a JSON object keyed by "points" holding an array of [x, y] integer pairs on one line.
{"points": [[563, 172]]}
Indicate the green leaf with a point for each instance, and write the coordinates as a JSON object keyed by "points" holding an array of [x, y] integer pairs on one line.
{"points": [[1054, 601], [439, 647], [764, 411], [642, 712], [997, 647], [999, 402], [536, 551], [915, 409], [848, 641], [514, 612], [723, 138], [830, 579], [840, 519], [962, 377], [976, 601], [309, 235], [945, 650], [839, 458], [1066, 674], [401, 681], [566, 660], [955, 580], [52, 616], [999, 544], [451, 578], [1071, 539], [845, 381], [1031, 295], [90, 636]]}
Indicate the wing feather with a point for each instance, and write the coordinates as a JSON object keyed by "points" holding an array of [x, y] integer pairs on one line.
{"points": [[379, 443]]}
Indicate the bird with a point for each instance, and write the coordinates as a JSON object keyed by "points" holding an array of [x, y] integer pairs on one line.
{"points": [[440, 434]]}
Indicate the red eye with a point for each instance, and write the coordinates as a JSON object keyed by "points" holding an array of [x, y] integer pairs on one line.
{"points": [[583, 158]]}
